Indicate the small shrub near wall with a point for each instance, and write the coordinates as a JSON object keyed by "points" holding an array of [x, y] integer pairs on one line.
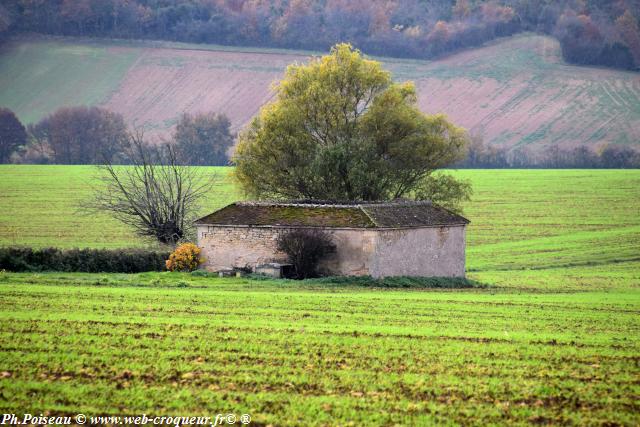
{"points": [[305, 249], [82, 260], [186, 257]]}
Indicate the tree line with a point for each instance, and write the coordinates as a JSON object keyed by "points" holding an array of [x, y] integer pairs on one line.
{"points": [[610, 156], [597, 32], [93, 135]]}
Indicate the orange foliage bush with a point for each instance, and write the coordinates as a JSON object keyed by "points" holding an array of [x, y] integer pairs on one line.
{"points": [[186, 257]]}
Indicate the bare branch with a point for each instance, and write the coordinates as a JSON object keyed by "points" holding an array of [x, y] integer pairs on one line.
{"points": [[156, 195]]}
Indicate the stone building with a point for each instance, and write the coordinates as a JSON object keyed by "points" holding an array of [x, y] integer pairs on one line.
{"points": [[378, 239]]}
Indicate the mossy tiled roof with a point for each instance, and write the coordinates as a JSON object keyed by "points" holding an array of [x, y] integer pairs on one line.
{"points": [[401, 214]]}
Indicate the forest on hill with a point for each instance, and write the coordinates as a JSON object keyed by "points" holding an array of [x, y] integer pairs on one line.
{"points": [[591, 32]]}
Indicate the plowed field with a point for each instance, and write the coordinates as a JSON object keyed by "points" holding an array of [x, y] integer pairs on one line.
{"points": [[512, 92]]}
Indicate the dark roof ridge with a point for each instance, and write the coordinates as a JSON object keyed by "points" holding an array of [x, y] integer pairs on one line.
{"points": [[335, 204], [317, 213]]}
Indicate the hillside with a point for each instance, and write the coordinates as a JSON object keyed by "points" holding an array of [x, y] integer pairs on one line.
{"points": [[515, 91]]}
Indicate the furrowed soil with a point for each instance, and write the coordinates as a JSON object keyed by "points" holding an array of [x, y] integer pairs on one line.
{"points": [[514, 92]]}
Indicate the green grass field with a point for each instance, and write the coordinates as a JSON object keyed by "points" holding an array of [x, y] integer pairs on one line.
{"points": [[168, 344], [581, 224], [38, 78], [553, 339], [41, 206]]}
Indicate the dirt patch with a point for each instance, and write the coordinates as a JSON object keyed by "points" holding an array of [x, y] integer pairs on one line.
{"points": [[518, 92], [164, 83]]}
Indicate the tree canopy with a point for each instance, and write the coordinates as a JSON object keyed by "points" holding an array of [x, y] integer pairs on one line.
{"points": [[203, 139], [406, 28], [341, 129], [12, 134], [81, 135]]}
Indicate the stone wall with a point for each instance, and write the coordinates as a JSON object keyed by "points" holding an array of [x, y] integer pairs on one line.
{"points": [[355, 249], [419, 252], [428, 252], [226, 247]]}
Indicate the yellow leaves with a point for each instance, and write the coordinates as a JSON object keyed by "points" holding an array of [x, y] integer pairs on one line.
{"points": [[186, 257], [336, 77]]}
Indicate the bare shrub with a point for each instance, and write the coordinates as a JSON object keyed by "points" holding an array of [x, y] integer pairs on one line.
{"points": [[156, 195], [305, 249]]}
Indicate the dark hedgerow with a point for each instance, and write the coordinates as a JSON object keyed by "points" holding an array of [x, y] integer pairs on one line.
{"points": [[305, 249], [82, 260], [399, 282], [405, 282]]}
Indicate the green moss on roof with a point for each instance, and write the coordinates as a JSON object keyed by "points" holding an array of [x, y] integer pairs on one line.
{"points": [[289, 216], [323, 214]]}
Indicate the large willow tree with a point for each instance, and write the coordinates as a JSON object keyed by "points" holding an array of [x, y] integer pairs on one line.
{"points": [[341, 129]]}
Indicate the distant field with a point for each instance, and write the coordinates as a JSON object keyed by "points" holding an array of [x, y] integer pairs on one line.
{"points": [[558, 228], [36, 78], [516, 91]]}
